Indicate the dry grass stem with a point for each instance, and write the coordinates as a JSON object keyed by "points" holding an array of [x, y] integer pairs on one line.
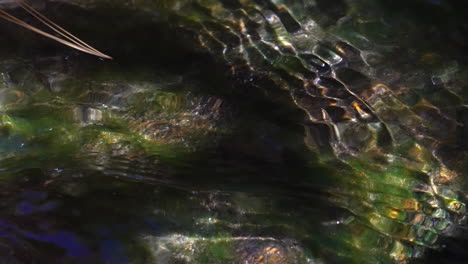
{"points": [[70, 40]]}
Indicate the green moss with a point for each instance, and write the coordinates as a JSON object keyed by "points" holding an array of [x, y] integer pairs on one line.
{"points": [[216, 252]]}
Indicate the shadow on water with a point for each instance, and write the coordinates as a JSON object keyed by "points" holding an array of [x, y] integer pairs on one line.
{"points": [[256, 180]]}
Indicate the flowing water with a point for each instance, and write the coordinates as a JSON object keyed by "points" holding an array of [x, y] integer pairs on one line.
{"points": [[262, 131]]}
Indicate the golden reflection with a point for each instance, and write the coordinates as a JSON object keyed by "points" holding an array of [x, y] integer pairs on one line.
{"points": [[419, 153], [361, 112], [399, 252], [410, 204], [340, 49], [396, 214], [456, 206], [445, 176], [430, 58]]}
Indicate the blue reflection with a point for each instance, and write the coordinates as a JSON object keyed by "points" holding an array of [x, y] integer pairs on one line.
{"points": [[33, 195], [270, 142], [29, 205], [25, 208], [66, 240], [49, 206], [113, 252]]}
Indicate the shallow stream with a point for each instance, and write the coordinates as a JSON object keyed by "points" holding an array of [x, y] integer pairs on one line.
{"points": [[259, 132]]}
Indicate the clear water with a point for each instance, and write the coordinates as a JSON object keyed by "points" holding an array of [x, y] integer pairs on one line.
{"points": [[168, 154]]}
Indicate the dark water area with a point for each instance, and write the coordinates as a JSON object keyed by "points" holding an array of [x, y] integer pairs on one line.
{"points": [[186, 148]]}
